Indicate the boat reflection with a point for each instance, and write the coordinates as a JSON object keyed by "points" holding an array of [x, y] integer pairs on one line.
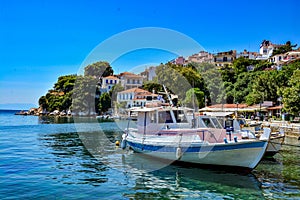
{"points": [[159, 177]]}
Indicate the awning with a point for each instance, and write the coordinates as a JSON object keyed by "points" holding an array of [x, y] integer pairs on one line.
{"points": [[218, 114]]}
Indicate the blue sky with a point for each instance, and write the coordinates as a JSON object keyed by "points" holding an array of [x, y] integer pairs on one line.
{"points": [[41, 40]]}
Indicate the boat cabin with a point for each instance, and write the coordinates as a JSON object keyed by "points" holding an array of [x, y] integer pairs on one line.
{"points": [[151, 120]]}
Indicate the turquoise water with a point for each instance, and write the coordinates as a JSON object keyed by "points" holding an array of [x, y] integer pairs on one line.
{"points": [[54, 158]]}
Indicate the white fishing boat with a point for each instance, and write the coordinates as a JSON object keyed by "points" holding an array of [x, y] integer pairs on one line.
{"points": [[171, 133]]}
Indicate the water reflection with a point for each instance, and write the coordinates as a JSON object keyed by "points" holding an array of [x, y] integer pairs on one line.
{"points": [[180, 181], [72, 162], [70, 119], [281, 175]]}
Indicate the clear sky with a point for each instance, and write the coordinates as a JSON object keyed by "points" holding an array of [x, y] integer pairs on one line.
{"points": [[41, 40]]}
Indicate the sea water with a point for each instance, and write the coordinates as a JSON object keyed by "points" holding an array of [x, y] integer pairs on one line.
{"points": [[76, 158]]}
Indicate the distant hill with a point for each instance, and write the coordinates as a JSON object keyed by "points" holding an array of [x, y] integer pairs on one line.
{"points": [[17, 106]]}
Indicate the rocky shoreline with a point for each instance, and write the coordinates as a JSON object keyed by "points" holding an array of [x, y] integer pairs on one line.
{"points": [[41, 112]]}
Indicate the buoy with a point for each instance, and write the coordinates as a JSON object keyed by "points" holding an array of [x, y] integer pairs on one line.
{"points": [[178, 153], [117, 143]]}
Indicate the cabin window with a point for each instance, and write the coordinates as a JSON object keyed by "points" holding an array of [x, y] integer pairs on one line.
{"points": [[217, 123], [153, 117], [165, 117], [208, 123], [180, 116]]}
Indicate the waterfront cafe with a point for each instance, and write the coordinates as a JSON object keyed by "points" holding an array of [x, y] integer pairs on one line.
{"points": [[237, 109], [275, 111]]}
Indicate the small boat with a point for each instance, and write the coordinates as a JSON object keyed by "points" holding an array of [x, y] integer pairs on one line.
{"points": [[275, 144], [172, 133], [276, 141]]}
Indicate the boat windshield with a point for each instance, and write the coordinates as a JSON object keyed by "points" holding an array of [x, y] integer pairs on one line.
{"points": [[166, 117], [208, 123], [216, 122]]}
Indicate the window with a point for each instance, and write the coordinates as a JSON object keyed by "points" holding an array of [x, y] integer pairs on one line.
{"points": [[153, 117], [208, 123], [180, 116], [164, 117], [106, 80], [111, 81]]}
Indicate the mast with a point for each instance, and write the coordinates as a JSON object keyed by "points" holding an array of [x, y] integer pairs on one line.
{"points": [[171, 104]]}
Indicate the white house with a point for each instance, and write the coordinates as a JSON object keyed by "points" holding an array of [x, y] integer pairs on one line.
{"points": [[149, 73], [247, 54], [130, 80], [134, 97], [108, 82], [224, 58], [285, 57], [201, 57], [266, 50]]}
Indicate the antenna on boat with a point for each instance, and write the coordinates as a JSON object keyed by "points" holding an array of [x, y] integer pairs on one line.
{"points": [[171, 104]]}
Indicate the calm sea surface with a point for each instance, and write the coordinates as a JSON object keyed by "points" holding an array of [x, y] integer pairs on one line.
{"points": [[55, 158]]}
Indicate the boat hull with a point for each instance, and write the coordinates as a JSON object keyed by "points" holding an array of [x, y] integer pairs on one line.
{"points": [[243, 154]]}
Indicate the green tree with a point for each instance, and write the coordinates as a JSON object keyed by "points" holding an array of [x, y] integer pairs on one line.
{"points": [[105, 102], [84, 95], [243, 86], [65, 83], [43, 102], [179, 79], [262, 65], [291, 95], [214, 84], [284, 48], [98, 69], [194, 98], [264, 87], [240, 65], [151, 85], [228, 75]]}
